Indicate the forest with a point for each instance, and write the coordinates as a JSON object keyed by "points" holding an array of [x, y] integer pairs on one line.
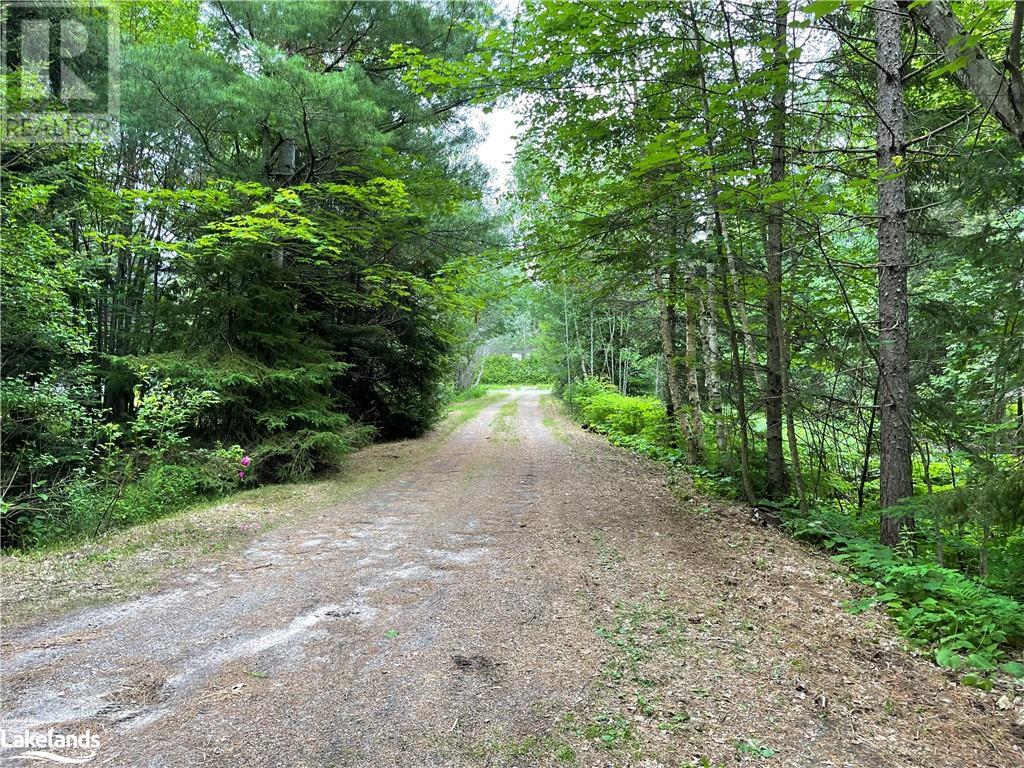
{"points": [[777, 246], [256, 274]]}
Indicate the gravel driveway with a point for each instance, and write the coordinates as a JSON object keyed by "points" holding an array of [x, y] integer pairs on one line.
{"points": [[524, 595]]}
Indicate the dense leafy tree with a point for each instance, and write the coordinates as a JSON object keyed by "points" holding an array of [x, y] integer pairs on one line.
{"points": [[275, 238]]}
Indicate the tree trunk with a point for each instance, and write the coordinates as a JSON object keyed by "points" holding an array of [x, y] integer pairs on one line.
{"points": [[896, 482], [591, 371], [776, 464], [867, 450], [741, 307], [568, 351], [741, 404], [1000, 95], [712, 381], [986, 537], [1019, 439], [752, 145], [667, 319], [794, 449], [926, 464], [695, 441]]}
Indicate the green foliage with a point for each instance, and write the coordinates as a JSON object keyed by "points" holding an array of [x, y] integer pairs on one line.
{"points": [[129, 475], [645, 197], [470, 394], [615, 414], [506, 370], [754, 747], [270, 256], [579, 393], [636, 423], [965, 622], [298, 454], [999, 501], [609, 730]]}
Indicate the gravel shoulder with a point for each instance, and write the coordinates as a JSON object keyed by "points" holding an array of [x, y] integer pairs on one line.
{"points": [[510, 592]]}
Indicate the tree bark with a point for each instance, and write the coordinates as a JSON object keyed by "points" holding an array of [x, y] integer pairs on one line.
{"points": [[741, 307], [695, 439], [712, 381], [896, 482], [777, 484], [1001, 95], [1019, 438], [926, 464], [794, 448], [748, 339], [667, 321], [867, 450], [741, 404]]}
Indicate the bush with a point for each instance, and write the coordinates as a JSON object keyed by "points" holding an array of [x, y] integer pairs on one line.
{"points": [[582, 392], [89, 504], [291, 456], [128, 473], [506, 370], [637, 423], [643, 417]]}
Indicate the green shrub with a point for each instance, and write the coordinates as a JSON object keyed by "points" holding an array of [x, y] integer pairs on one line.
{"points": [[89, 504], [637, 423], [643, 417], [582, 392], [506, 370], [291, 456]]}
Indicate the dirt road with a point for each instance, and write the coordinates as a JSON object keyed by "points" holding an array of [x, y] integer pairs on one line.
{"points": [[523, 595]]}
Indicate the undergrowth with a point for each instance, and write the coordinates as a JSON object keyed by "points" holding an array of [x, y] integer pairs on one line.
{"points": [[969, 627]]}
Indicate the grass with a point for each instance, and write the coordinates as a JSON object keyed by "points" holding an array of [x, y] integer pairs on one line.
{"points": [[607, 555], [465, 410], [642, 637], [533, 747], [504, 423], [550, 410], [126, 562]]}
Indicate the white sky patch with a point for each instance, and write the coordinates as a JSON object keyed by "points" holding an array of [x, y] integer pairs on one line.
{"points": [[497, 148]]}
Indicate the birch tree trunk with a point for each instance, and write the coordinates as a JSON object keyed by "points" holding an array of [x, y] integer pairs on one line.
{"points": [[752, 147], [695, 442], [709, 314], [896, 482], [741, 402], [741, 307], [712, 382]]}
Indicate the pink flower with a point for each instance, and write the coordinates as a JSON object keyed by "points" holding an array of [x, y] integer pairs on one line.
{"points": [[246, 461], [241, 475]]}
